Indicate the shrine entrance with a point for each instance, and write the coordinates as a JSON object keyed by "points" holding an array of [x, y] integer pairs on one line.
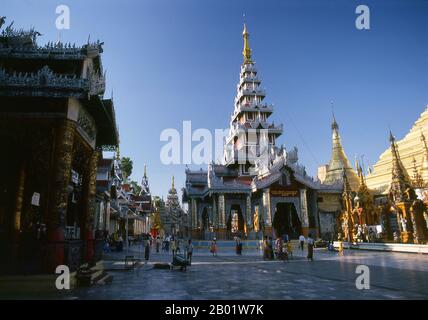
{"points": [[205, 220], [235, 222], [286, 220]]}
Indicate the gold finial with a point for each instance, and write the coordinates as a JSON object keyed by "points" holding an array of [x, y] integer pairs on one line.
{"points": [[247, 51], [334, 125], [173, 182], [145, 171]]}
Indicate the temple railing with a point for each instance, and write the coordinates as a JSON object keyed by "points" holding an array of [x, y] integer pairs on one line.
{"points": [[58, 50], [45, 78]]}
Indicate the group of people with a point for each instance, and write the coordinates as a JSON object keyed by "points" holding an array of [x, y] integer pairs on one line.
{"points": [[282, 248], [174, 244]]}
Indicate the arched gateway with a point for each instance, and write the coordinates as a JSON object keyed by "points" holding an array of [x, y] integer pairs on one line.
{"points": [[286, 220]]}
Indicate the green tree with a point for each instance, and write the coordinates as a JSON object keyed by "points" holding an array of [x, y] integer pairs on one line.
{"points": [[137, 188], [127, 166]]}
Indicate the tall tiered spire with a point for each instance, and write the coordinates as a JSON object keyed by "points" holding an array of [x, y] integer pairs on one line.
{"points": [[251, 136], [145, 189], [339, 161], [173, 207], [247, 51], [400, 183]]}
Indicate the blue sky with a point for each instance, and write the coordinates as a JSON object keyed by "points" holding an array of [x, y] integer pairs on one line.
{"points": [[169, 61]]}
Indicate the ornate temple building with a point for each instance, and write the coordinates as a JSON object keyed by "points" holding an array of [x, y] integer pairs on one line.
{"points": [[259, 189], [54, 122]]}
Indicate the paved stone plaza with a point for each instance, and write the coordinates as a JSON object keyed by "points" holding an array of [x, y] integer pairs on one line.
{"points": [[227, 276]]}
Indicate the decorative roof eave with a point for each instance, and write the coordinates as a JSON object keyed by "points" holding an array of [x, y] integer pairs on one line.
{"points": [[102, 110]]}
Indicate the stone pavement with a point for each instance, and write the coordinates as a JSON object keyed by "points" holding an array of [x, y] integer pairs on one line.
{"points": [[227, 276]]}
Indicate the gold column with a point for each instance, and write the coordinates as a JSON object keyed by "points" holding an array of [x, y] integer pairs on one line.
{"points": [[91, 188], [55, 220], [64, 141], [19, 199], [89, 198]]}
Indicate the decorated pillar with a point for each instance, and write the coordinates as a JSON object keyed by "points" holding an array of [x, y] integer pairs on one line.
{"points": [[221, 231], [19, 200], [304, 212], [215, 213], [267, 213], [420, 231], [55, 220], [194, 221], [194, 213], [248, 213], [90, 192]]}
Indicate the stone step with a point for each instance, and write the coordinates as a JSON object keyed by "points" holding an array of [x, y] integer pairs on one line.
{"points": [[391, 247]]}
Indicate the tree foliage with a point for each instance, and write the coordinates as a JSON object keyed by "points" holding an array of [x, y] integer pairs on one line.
{"points": [[127, 166], [136, 187]]}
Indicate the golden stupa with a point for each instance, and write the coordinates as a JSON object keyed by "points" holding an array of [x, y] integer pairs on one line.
{"points": [[413, 152]]}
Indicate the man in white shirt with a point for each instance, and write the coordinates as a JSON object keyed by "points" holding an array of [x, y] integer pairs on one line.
{"points": [[302, 241]]}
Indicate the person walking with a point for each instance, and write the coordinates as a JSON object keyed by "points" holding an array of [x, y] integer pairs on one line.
{"points": [[302, 241], [310, 243], [279, 248], [167, 243], [341, 251], [289, 249], [190, 252], [147, 250], [238, 246], [271, 245], [158, 244], [213, 248], [173, 247], [266, 251], [120, 243]]}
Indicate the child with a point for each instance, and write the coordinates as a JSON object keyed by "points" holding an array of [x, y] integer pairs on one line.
{"points": [[289, 249], [341, 251]]}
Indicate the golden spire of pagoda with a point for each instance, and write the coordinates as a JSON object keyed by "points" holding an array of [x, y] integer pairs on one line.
{"points": [[172, 183], [145, 171], [339, 161], [247, 51], [400, 180], [359, 171]]}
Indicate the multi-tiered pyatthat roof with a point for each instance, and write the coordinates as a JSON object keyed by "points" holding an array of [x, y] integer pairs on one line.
{"points": [[400, 183], [250, 135]]}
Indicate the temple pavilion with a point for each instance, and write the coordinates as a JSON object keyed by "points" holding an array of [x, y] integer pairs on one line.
{"points": [[54, 123], [259, 189]]}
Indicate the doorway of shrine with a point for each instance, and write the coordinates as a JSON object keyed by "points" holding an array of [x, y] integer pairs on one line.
{"points": [[286, 220], [206, 232], [235, 223]]}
